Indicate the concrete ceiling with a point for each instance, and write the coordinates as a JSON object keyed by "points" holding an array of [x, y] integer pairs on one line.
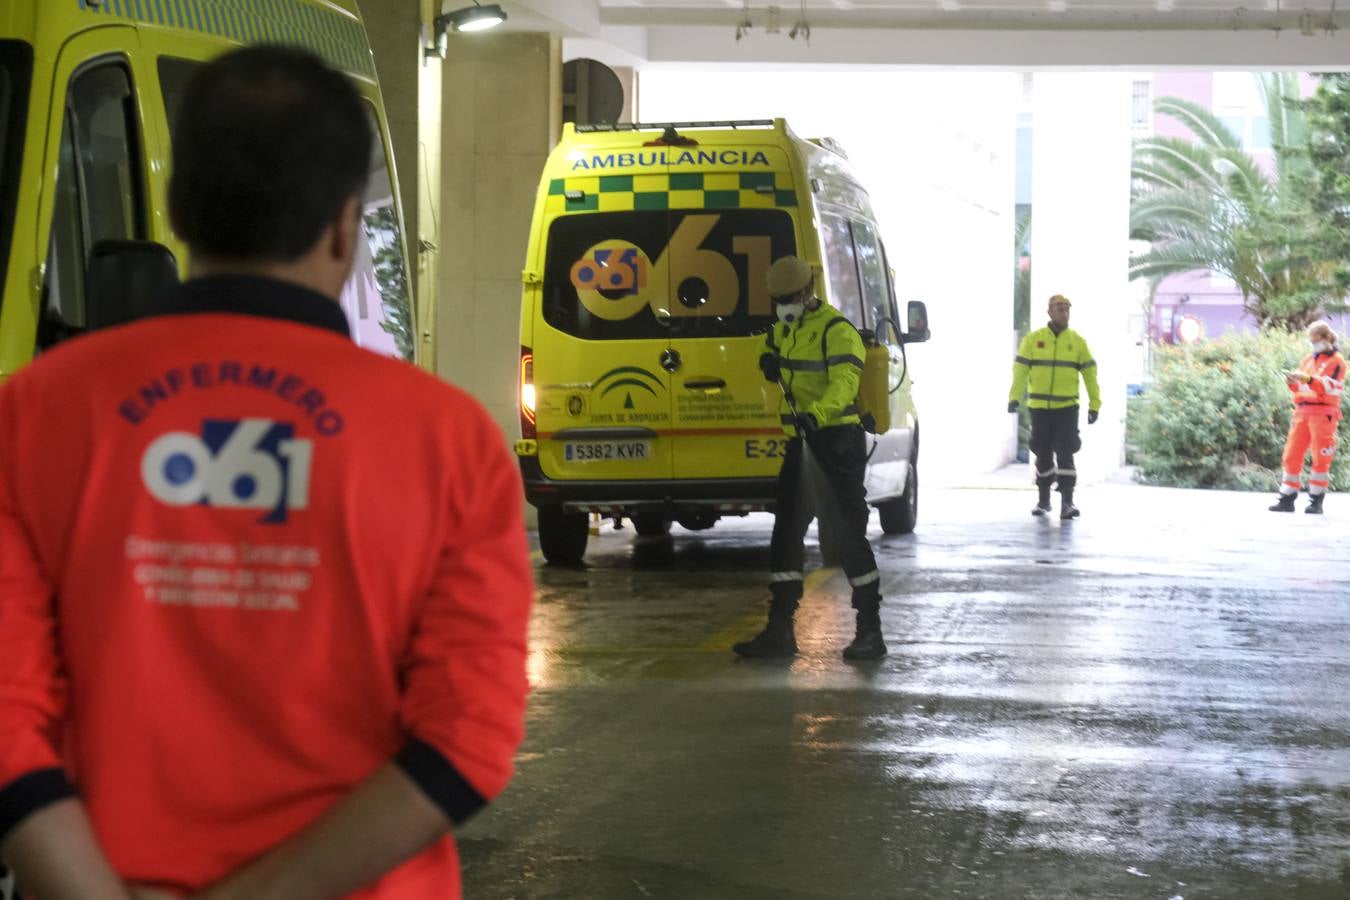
{"points": [[1022, 34]]}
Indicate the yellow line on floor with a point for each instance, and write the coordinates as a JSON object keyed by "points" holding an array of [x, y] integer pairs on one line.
{"points": [[746, 625]]}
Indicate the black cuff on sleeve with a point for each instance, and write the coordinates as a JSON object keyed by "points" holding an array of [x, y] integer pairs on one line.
{"points": [[27, 794], [440, 781]]}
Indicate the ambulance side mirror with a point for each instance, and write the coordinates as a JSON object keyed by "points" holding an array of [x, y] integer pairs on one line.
{"points": [[125, 281], [917, 330]]}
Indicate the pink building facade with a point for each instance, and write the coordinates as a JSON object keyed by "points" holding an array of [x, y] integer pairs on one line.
{"points": [[1203, 303]]}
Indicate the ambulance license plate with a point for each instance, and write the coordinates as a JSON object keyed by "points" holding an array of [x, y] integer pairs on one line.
{"points": [[607, 451]]}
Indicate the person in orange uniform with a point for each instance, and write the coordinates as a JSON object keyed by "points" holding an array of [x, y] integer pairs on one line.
{"points": [[1316, 387], [263, 594]]}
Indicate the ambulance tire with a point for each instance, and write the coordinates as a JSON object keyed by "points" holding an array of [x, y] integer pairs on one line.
{"points": [[651, 526], [901, 515], [562, 535]]}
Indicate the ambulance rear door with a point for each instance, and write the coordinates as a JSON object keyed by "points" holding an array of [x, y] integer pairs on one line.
{"points": [[729, 221], [603, 396]]}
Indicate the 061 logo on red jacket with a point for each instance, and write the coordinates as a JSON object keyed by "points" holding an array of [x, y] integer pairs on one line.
{"points": [[232, 464]]}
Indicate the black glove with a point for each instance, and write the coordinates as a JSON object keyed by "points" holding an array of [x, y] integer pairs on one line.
{"points": [[1012, 405], [768, 364], [1092, 416], [806, 423]]}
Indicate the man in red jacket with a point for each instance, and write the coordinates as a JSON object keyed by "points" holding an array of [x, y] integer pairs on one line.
{"points": [[263, 594]]}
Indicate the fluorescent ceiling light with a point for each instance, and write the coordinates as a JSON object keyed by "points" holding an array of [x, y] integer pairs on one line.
{"points": [[476, 17]]}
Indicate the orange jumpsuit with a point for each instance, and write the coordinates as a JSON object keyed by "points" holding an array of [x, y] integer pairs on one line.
{"points": [[1317, 410]]}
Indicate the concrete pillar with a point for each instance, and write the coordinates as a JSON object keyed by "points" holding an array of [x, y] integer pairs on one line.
{"points": [[1080, 211], [502, 103], [628, 78]]}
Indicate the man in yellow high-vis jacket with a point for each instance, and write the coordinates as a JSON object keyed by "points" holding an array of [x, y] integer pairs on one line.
{"points": [[816, 355], [1047, 368]]}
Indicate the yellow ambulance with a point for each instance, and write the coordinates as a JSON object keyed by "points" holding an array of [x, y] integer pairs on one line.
{"points": [[643, 314], [88, 97]]}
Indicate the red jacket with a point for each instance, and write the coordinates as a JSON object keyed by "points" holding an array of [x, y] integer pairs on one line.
{"points": [[243, 564], [1325, 381]]}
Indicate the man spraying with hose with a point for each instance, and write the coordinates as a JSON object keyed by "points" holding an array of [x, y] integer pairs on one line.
{"points": [[816, 356]]}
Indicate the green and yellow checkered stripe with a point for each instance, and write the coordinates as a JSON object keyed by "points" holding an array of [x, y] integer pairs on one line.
{"points": [[338, 38], [679, 190]]}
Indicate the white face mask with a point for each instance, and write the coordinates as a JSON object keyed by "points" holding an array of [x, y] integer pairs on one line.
{"points": [[789, 312], [1320, 346]]}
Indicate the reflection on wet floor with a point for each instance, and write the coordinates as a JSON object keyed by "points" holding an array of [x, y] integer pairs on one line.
{"points": [[1125, 706]]}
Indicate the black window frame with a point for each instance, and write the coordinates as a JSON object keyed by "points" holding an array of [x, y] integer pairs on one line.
{"points": [[16, 59], [560, 308], [52, 327], [175, 70]]}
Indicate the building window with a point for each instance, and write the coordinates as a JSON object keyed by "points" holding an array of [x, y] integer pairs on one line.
{"points": [[1142, 104]]}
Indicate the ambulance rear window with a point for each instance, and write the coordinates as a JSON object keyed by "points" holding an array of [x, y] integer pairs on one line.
{"points": [[663, 273]]}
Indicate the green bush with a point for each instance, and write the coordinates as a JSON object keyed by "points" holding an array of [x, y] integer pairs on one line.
{"points": [[1217, 413]]}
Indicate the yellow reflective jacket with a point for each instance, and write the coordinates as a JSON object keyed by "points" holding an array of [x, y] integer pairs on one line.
{"points": [[821, 360], [1047, 368]]}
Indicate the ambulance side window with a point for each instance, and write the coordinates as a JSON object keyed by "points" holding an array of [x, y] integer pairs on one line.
{"points": [[174, 75], [841, 267], [876, 296], [99, 194]]}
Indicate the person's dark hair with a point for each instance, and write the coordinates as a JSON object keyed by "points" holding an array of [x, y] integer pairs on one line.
{"points": [[270, 144]]}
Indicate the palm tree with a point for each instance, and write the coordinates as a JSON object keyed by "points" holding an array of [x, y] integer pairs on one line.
{"points": [[1206, 205]]}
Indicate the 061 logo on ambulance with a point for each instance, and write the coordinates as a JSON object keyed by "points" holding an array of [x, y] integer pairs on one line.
{"points": [[234, 464], [614, 279], [622, 268]]}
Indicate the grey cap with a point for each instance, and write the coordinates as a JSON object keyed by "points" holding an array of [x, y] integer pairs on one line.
{"points": [[787, 276]]}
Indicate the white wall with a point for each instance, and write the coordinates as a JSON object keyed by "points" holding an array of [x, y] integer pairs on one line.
{"points": [[935, 150], [1080, 231]]}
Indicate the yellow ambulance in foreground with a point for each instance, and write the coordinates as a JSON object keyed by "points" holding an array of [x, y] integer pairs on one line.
{"points": [[88, 96], [643, 317]]}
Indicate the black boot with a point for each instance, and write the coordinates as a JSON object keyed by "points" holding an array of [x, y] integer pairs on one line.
{"points": [[1286, 504], [1314, 507], [867, 642], [1042, 507], [777, 640], [1066, 508]]}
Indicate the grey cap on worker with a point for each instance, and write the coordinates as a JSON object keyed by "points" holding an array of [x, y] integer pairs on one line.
{"points": [[787, 276]]}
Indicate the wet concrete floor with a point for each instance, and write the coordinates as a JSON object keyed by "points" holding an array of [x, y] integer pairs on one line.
{"points": [[1150, 702]]}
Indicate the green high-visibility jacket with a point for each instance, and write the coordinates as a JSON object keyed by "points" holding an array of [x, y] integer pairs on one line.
{"points": [[821, 360], [1047, 368]]}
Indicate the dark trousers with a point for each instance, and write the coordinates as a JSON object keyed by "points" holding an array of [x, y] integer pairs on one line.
{"points": [[1054, 441], [840, 453]]}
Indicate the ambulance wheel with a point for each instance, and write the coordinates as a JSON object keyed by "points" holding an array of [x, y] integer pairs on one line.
{"points": [[562, 535], [651, 526], [899, 516]]}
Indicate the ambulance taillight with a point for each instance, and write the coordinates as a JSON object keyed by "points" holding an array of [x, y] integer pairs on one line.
{"points": [[526, 393]]}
